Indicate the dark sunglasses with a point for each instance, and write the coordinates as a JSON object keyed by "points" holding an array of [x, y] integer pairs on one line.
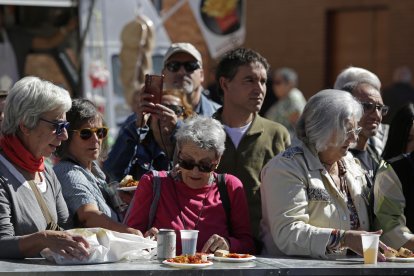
{"points": [[190, 164], [86, 133], [178, 109], [59, 126], [369, 107], [189, 66]]}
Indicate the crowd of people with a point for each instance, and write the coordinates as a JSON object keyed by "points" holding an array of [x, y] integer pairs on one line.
{"points": [[307, 180]]}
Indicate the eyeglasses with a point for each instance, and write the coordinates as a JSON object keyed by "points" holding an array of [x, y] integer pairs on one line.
{"points": [[354, 132], [59, 126], [86, 133], [178, 109], [369, 107], [189, 66], [190, 164]]}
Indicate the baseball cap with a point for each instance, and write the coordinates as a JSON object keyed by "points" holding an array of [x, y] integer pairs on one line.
{"points": [[185, 48]]}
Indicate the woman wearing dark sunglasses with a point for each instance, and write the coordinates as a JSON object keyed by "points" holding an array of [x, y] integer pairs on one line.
{"points": [[83, 183], [189, 197], [34, 125]]}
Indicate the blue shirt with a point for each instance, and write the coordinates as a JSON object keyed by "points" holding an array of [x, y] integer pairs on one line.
{"points": [[80, 187]]}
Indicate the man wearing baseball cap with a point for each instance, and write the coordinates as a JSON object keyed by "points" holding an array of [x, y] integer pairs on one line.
{"points": [[183, 69]]}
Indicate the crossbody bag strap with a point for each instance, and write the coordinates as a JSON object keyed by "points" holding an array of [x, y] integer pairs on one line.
{"points": [[156, 189], [41, 202], [224, 196]]}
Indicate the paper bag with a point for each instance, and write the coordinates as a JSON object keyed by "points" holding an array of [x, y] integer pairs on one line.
{"points": [[106, 246]]}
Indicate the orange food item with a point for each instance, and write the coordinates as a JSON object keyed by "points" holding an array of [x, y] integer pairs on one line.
{"points": [[187, 259], [237, 255], [128, 181]]}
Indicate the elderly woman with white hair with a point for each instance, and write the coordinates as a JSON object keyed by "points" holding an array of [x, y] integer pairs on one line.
{"points": [[314, 195], [190, 196], [32, 207]]}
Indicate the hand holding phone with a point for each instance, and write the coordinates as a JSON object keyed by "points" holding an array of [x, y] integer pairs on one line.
{"points": [[154, 86]]}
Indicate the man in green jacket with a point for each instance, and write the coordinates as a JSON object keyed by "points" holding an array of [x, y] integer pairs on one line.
{"points": [[251, 140]]}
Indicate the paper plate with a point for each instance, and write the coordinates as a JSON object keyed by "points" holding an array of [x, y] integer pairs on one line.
{"points": [[127, 189], [400, 260], [183, 265], [234, 260]]}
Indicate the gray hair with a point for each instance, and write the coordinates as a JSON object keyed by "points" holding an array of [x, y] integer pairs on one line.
{"points": [[352, 74], [28, 99], [325, 114], [205, 132], [353, 86], [287, 74]]}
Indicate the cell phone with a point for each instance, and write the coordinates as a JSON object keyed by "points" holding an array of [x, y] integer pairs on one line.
{"points": [[154, 85]]}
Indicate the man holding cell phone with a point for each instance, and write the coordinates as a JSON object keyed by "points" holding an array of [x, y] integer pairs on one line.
{"points": [[182, 71]]}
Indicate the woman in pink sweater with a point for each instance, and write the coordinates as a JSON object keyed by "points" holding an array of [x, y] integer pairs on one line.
{"points": [[189, 195]]}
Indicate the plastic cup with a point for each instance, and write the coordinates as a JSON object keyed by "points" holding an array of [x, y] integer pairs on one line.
{"points": [[189, 241], [370, 243]]}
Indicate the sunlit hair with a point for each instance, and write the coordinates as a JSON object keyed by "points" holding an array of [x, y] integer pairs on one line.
{"points": [[83, 111], [353, 86], [188, 109], [327, 113], [205, 132], [352, 74], [29, 99]]}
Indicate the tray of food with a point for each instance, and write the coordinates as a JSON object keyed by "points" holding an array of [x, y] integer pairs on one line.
{"points": [[128, 184]]}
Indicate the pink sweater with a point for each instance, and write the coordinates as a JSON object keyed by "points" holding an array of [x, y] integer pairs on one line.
{"points": [[176, 197]]}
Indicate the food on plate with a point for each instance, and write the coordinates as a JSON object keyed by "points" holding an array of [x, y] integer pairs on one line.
{"points": [[227, 254], [128, 181], [204, 256], [401, 253], [188, 259], [238, 256], [221, 253], [405, 253], [390, 252]]}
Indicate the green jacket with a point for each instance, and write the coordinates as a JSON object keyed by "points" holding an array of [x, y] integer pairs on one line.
{"points": [[263, 140]]}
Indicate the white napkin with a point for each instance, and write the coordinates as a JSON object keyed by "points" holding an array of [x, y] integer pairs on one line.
{"points": [[106, 246]]}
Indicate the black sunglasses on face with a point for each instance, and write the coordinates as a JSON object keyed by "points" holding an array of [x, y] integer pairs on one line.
{"points": [[369, 107], [189, 165], [189, 66], [86, 133], [178, 109], [59, 126]]}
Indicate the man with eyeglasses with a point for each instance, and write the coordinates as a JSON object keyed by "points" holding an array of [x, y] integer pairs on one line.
{"points": [[183, 69], [374, 110]]}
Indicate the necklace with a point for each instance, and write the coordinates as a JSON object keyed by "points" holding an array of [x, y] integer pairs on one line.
{"points": [[201, 210]]}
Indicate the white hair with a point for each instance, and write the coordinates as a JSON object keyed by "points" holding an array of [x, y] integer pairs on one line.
{"points": [[327, 113], [205, 132], [352, 74], [28, 99]]}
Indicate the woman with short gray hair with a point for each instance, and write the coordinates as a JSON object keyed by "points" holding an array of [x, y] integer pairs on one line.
{"points": [[314, 195], [191, 197], [31, 203]]}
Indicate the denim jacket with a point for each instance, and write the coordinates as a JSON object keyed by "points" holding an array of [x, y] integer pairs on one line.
{"points": [[135, 152]]}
